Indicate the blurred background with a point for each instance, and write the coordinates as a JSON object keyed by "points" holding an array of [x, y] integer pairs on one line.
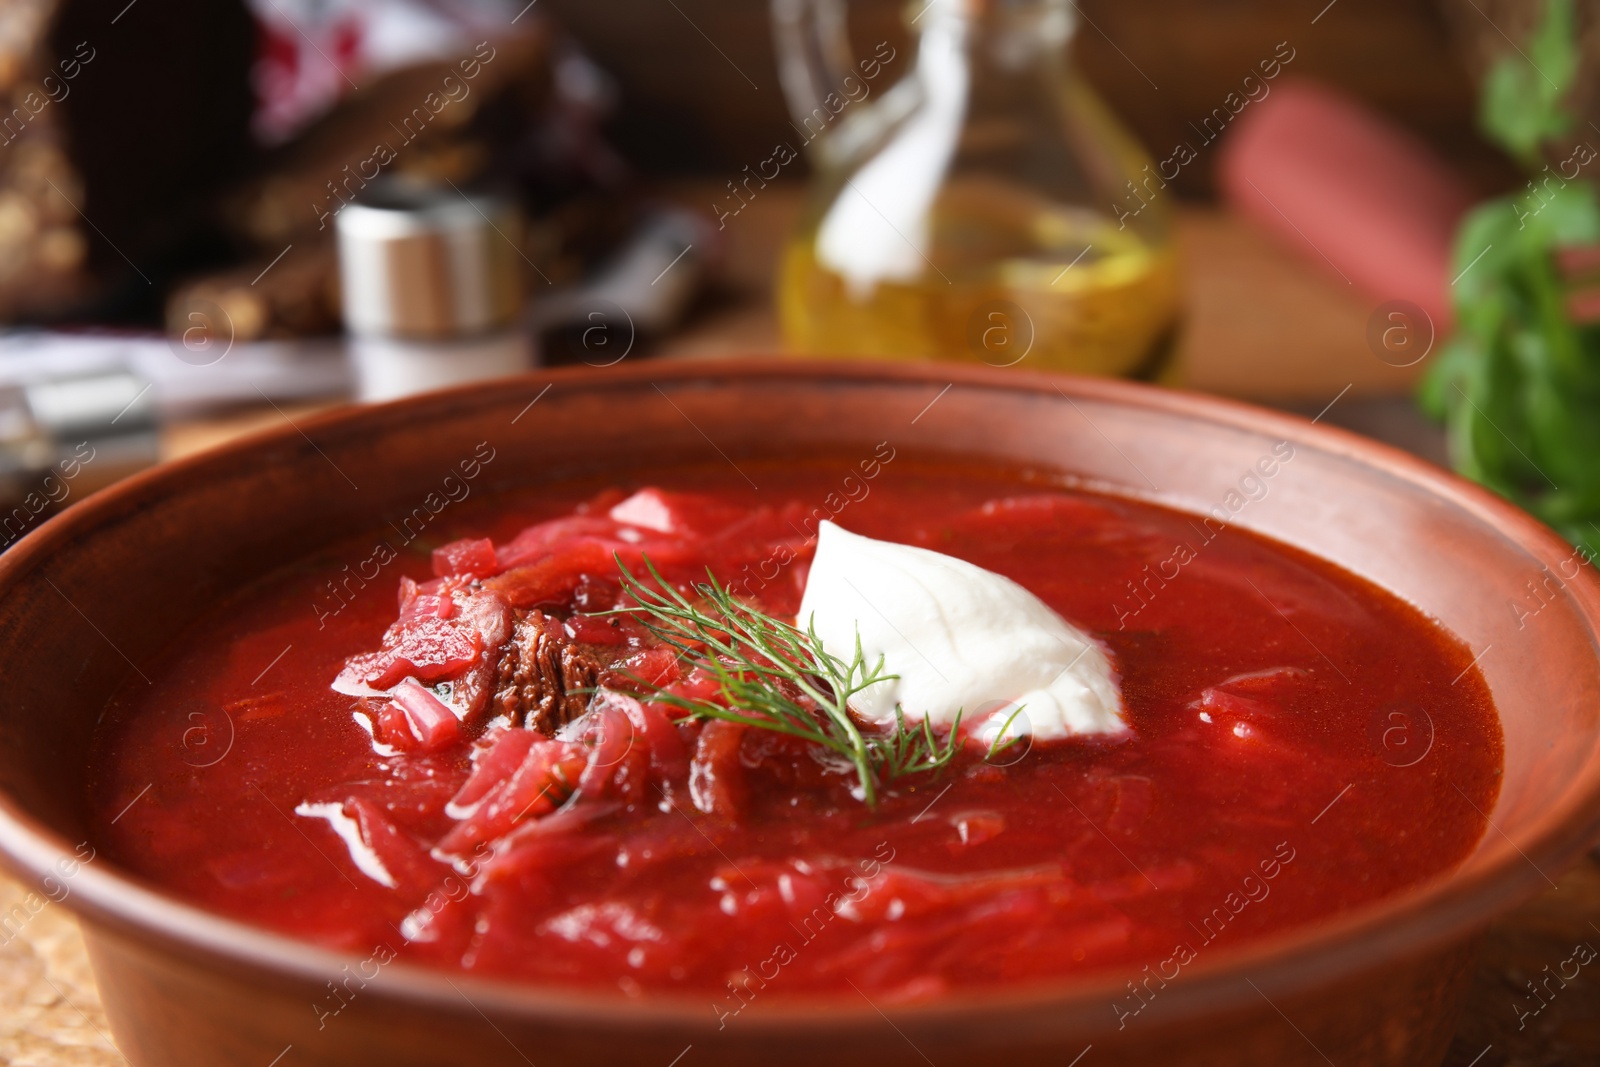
{"points": [[220, 214]]}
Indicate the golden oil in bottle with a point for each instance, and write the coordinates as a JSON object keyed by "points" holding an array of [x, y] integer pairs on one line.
{"points": [[1007, 280], [988, 207]]}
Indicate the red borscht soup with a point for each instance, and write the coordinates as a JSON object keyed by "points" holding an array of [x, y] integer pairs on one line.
{"points": [[503, 785]]}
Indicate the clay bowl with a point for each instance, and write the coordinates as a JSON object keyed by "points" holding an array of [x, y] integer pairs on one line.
{"points": [[100, 590]]}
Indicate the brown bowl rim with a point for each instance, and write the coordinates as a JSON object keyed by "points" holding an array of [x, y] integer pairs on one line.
{"points": [[1446, 909]]}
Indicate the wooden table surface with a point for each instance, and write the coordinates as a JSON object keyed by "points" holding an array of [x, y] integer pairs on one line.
{"points": [[1263, 325]]}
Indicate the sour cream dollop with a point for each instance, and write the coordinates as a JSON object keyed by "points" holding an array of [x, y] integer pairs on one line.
{"points": [[960, 638]]}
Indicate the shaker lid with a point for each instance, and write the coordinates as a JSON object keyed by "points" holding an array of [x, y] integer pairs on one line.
{"points": [[422, 262]]}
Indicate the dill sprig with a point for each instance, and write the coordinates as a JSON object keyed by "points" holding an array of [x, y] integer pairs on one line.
{"points": [[771, 675]]}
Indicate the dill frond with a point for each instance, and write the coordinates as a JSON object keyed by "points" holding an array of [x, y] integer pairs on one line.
{"points": [[772, 675]]}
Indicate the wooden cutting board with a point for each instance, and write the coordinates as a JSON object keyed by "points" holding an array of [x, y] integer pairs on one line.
{"points": [[52, 1015]]}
